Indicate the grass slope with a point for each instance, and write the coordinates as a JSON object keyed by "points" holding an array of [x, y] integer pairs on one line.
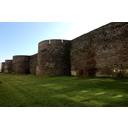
{"points": [[62, 91]]}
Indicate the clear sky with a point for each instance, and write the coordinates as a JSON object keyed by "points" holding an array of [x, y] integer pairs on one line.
{"points": [[22, 38]]}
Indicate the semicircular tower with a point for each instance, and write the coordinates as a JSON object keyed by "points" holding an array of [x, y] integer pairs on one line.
{"points": [[20, 64], [8, 66], [2, 69], [53, 58]]}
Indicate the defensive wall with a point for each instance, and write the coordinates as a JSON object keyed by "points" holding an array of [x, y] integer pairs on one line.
{"points": [[8, 66], [53, 58], [101, 52], [20, 64], [33, 64]]}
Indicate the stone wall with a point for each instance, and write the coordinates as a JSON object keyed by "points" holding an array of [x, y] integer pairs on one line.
{"points": [[20, 64], [8, 66], [33, 63], [2, 68], [54, 58], [102, 52]]}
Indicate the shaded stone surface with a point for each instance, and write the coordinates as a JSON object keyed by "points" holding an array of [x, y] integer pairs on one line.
{"points": [[8, 66], [33, 64], [101, 52], [20, 64], [54, 58], [2, 67]]}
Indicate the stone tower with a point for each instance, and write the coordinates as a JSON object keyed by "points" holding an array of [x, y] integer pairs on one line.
{"points": [[53, 58], [2, 69], [20, 64], [8, 66]]}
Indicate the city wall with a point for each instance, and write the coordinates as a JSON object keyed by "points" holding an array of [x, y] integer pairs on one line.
{"points": [[102, 52], [33, 64]]}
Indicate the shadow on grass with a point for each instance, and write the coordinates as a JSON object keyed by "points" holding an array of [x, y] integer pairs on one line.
{"points": [[64, 91], [116, 104]]}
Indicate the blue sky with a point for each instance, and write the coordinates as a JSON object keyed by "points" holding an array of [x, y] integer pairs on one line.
{"points": [[22, 38]]}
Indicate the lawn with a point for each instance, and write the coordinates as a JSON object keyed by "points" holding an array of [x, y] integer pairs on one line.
{"points": [[62, 91]]}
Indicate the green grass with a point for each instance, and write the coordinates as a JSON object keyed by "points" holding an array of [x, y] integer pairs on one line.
{"points": [[62, 91]]}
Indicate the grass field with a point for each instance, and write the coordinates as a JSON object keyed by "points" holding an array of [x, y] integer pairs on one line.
{"points": [[62, 91]]}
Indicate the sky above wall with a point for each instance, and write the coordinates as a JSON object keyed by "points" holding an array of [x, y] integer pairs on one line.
{"points": [[22, 38]]}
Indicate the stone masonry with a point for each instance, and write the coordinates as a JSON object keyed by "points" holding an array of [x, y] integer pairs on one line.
{"points": [[2, 69], [102, 52], [20, 64], [33, 64], [8, 66], [53, 58]]}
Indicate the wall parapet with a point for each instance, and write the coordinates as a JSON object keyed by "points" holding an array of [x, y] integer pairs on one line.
{"points": [[53, 41]]}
